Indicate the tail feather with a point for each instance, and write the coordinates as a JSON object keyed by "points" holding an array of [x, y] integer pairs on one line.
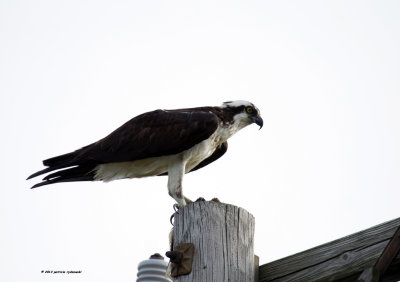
{"points": [[77, 173], [83, 178], [71, 172], [61, 160], [58, 162], [46, 170]]}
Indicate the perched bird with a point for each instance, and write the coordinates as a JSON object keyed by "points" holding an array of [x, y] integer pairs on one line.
{"points": [[161, 142]]}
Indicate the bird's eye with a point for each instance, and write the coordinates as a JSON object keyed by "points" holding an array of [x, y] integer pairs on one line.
{"points": [[249, 110]]}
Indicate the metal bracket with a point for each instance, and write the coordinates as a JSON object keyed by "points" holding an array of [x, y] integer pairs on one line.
{"points": [[181, 259]]}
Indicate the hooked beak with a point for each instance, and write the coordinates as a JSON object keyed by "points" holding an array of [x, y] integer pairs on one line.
{"points": [[257, 120]]}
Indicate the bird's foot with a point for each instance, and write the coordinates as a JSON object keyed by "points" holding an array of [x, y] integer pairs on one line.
{"points": [[201, 199]]}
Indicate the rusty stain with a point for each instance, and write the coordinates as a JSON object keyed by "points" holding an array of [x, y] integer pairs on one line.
{"points": [[181, 259]]}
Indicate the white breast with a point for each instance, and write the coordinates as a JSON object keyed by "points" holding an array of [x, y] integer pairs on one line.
{"points": [[207, 147]]}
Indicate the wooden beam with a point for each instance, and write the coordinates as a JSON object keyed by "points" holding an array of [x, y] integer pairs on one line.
{"points": [[335, 260], [373, 274], [389, 253], [222, 235]]}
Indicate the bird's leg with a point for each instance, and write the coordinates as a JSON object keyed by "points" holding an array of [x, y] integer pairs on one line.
{"points": [[175, 177]]}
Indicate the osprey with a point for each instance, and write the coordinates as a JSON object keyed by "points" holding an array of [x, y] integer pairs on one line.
{"points": [[161, 142]]}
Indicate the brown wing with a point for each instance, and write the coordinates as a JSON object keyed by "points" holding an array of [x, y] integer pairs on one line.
{"points": [[152, 134]]}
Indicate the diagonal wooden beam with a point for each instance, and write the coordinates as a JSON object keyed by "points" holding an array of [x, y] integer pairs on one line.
{"points": [[373, 274], [390, 252]]}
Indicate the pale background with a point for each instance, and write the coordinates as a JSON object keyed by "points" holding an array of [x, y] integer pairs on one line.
{"points": [[325, 75]]}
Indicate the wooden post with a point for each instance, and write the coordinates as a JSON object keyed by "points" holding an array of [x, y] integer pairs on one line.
{"points": [[222, 235]]}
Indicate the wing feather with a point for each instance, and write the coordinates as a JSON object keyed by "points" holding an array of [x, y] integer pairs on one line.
{"points": [[152, 134]]}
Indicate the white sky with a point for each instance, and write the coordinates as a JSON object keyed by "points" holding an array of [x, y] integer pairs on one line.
{"points": [[325, 75]]}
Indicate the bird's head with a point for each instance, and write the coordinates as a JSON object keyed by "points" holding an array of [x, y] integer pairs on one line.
{"points": [[245, 113]]}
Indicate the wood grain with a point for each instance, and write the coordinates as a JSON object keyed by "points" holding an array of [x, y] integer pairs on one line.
{"points": [[223, 238], [335, 260]]}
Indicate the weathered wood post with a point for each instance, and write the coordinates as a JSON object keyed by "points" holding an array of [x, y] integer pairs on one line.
{"points": [[222, 236]]}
